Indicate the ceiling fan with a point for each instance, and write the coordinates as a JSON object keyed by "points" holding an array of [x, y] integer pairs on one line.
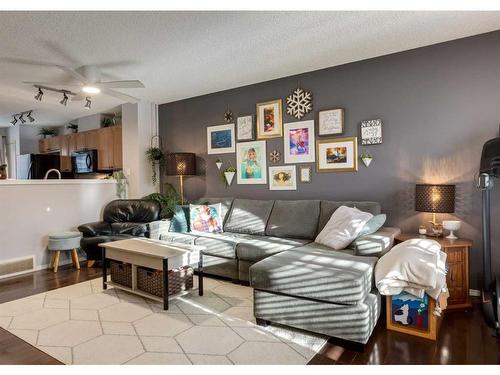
{"points": [[87, 81]]}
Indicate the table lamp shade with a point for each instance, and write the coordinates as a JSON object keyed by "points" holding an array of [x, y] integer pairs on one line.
{"points": [[435, 198], [181, 164]]}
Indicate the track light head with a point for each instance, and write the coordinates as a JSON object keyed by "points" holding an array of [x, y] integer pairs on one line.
{"points": [[14, 122], [21, 118], [39, 95], [64, 100], [31, 118], [88, 103]]}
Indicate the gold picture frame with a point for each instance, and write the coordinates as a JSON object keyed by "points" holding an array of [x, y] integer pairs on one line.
{"points": [[337, 154], [273, 126]]}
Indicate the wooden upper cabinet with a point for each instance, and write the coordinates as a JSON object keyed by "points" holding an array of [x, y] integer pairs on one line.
{"points": [[105, 149], [54, 143], [80, 141], [65, 155], [72, 143], [117, 147], [91, 142]]}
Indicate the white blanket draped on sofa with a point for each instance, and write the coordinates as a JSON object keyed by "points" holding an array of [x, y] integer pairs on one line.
{"points": [[415, 266]]}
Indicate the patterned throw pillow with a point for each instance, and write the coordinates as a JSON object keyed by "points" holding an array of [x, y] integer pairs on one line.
{"points": [[180, 221], [205, 218]]}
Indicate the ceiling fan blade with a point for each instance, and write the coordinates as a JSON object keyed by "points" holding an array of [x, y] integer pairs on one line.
{"points": [[73, 73], [129, 84], [76, 84], [119, 95], [78, 97]]}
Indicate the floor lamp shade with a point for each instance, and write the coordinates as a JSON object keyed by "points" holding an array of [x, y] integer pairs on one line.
{"points": [[181, 164], [435, 198]]}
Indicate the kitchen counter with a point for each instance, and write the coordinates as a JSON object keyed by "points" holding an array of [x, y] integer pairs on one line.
{"points": [[57, 182]]}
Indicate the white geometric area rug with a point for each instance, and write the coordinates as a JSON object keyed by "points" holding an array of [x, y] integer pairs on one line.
{"points": [[84, 324]]}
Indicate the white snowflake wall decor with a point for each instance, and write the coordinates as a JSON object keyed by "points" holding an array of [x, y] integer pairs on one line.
{"points": [[299, 103], [274, 156]]}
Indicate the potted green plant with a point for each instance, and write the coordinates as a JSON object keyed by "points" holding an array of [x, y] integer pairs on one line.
{"points": [[106, 122], [121, 184], [367, 158], [73, 128], [229, 173], [167, 200], [47, 132], [155, 157]]}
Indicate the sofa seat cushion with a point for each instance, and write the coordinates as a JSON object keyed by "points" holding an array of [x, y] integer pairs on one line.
{"points": [[218, 244], [183, 238], [249, 216], [254, 248], [294, 219], [316, 274]]}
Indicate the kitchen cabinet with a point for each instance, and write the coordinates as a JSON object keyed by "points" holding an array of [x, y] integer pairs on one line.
{"points": [[43, 145], [80, 141], [105, 149], [117, 147], [53, 144], [65, 155], [91, 142]]}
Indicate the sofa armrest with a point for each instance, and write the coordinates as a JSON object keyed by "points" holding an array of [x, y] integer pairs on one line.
{"points": [[158, 228], [95, 229], [376, 244]]}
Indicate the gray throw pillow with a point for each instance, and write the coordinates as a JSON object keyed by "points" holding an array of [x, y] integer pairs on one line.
{"points": [[373, 225]]}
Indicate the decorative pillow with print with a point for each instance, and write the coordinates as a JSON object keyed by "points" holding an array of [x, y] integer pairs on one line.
{"points": [[205, 218]]}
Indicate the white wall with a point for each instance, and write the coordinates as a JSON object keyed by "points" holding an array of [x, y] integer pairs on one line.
{"points": [[139, 125], [28, 139], [89, 122], [32, 210], [13, 140]]}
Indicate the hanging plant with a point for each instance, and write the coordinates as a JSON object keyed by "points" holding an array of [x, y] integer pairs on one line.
{"points": [[229, 173], [155, 156]]}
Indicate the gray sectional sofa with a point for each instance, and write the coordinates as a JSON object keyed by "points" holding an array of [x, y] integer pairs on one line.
{"points": [[297, 282]]}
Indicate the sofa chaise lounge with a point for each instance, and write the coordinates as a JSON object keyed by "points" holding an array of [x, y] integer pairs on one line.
{"points": [[297, 282]]}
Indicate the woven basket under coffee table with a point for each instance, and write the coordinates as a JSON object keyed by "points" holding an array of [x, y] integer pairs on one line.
{"points": [[158, 269]]}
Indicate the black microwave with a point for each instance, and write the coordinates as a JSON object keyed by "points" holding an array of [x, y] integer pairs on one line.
{"points": [[84, 161]]}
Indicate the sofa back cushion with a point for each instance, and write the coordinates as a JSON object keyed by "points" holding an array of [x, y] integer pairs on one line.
{"points": [[249, 216], [226, 204], [329, 207], [131, 211], [294, 219]]}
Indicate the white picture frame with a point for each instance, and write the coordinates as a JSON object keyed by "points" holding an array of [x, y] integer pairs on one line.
{"points": [[251, 163], [245, 130], [298, 142], [305, 174], [220, 139], [331, 122], [283, 177], [371, 132]]}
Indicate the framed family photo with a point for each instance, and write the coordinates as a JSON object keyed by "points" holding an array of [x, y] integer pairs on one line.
{"points": [[299, 142], [220, 139], [251, 160], [337, 155], [283, 177], [331, 122], [245, 129], [269, 119]]}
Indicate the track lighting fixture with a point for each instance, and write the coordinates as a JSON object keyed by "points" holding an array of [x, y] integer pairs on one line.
{"points": [[31, 118], [14, 122], [64, 100], [89, 102], [39, 95], [21, 118]]}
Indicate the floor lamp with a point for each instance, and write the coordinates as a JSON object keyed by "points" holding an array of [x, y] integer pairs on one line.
{"points": [[181, 164]]}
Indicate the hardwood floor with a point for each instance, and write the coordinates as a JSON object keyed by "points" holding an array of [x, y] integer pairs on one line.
{"points": [[464, 337]]}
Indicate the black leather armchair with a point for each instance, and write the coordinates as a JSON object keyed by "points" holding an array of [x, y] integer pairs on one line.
{"points": [[122, 218]]}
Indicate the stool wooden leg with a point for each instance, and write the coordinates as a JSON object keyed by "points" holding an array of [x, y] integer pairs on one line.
{"points": [[52, 259], [74, 257], [56, 260]]}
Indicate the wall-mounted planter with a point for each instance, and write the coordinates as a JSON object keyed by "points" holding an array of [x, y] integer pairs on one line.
{"points": [[218, 163], [229, 177], [367, 161]]}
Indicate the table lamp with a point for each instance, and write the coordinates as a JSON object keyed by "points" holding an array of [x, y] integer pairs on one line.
{"points": [[181, 164], [435, 199]]}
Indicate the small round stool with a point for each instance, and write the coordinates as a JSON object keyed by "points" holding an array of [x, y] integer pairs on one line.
{"points": [[61, 242]]}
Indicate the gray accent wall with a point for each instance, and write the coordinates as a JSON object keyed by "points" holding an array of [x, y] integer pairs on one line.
{"points": [[438, 104]]}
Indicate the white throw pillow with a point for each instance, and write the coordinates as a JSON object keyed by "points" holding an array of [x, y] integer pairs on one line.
{"points": [[344, 226]]}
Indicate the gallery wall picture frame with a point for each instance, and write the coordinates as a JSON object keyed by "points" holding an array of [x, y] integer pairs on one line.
{"points": [[331, 122], [371, 132], [283, 177], [305, 174], [298, 142], [220, 139], [245, 130], [251, 160], [269, 119], [337, 155]]}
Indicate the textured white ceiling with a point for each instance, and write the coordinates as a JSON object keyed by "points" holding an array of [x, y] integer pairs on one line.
{"points": [[183, 54]]}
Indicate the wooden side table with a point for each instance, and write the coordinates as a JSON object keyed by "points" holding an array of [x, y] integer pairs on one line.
{"points": [[457, 278]]}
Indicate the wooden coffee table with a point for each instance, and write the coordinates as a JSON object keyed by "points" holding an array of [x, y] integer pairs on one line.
{"points": [[156, 254]]}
